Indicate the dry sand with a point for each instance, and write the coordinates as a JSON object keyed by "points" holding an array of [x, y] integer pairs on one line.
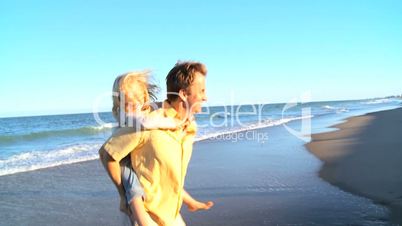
{"points": [[365, 157]]}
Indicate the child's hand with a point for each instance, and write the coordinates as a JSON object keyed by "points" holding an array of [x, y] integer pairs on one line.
{"points": [[195, 206]]}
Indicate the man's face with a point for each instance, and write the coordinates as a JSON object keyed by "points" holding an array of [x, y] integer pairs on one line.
{"points": [[196, 93]]}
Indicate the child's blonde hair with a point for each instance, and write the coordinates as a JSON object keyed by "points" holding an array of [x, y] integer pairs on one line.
{"points": [[137, 92]]}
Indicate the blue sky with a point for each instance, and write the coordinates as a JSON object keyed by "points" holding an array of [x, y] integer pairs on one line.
{"points": [[59, 56]]}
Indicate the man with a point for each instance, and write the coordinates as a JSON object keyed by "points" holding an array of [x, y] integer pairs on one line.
{"points": [[160, 157]]}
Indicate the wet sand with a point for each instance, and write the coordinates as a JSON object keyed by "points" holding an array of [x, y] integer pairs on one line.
{"points": [[365, 157]]}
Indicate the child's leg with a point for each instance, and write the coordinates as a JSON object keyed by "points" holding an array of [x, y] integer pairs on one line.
{"points": [[134, 196]]}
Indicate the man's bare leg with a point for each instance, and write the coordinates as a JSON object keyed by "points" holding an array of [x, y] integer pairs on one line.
{"points": [[179, 221], [139, 214]]}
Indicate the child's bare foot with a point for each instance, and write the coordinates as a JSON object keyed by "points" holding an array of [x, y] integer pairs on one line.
{"points": [[195, 206]]}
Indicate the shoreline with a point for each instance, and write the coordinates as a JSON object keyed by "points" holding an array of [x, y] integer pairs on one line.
{"points": [[364, 157]]}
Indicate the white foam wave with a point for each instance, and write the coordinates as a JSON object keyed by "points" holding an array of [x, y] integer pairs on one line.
{"points": [[34, 160], [377, 101], [104, 126], [336, 109], [264, 124], [342, 110], [328, 107]]}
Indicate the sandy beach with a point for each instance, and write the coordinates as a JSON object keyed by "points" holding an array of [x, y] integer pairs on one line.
{"points": [[365, 157], [252, 183]]}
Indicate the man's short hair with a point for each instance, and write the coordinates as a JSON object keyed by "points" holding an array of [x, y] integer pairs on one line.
{"points": [[182, 76]]}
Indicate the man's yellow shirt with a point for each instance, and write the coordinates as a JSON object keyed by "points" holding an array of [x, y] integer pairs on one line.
{"points": [[160, 158]]}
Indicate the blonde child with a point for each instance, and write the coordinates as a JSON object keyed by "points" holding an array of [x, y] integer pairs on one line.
{"points": [[132, 95]]}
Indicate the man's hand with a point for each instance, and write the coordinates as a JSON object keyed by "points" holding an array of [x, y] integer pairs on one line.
{"points": [[196, 205]]}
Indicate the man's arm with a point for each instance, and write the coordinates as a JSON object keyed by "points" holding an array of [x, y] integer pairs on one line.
{"points": [[194, 205]]}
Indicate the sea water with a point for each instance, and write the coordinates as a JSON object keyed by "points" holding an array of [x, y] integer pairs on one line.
{"points": [[30, 143]]}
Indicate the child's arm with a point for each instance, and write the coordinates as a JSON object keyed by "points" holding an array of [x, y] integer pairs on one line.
{"points": [[194, 205], [112, 167]]}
